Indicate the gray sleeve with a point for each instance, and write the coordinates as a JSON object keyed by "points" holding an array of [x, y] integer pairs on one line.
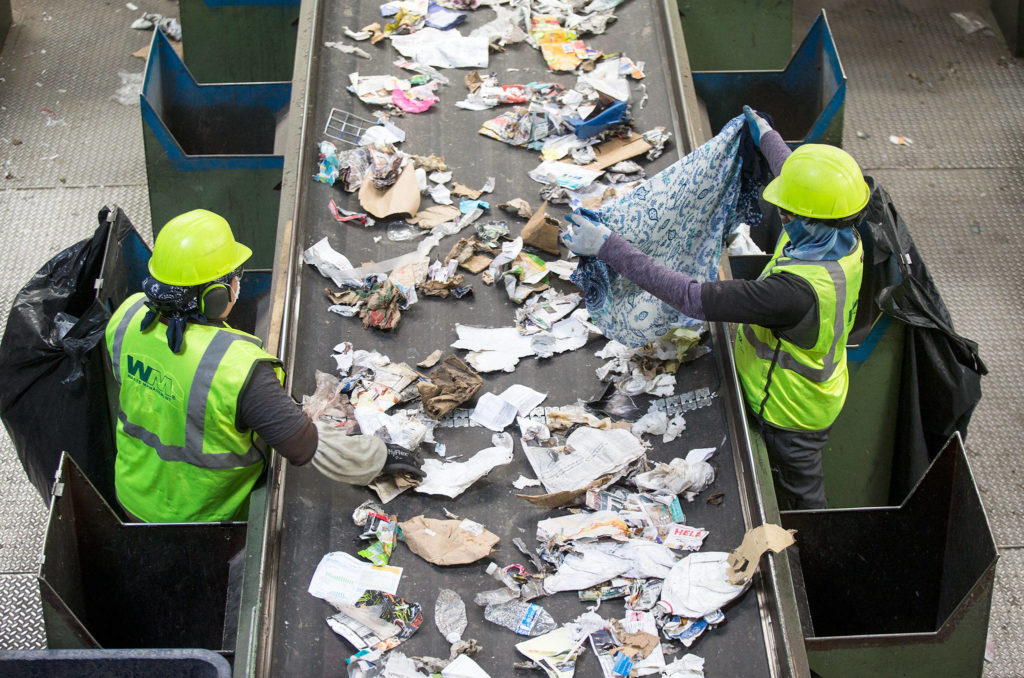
{"points": [[676, 289], [774, 150], [266, 408]]}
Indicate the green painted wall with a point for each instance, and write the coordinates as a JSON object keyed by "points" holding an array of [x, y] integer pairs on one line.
{"points": [[737, 35], [241, 43], [858, 456], [248, 199]]}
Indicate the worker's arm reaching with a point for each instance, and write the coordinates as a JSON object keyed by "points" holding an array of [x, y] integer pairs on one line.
{"points": [[778, 301], [773, 148], [266, 408]]}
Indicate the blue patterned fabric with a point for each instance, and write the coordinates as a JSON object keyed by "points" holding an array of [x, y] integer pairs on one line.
{"points": [[678, 217]]}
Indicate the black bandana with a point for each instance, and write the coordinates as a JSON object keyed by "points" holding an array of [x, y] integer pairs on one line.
{"points": [[176, 305]]}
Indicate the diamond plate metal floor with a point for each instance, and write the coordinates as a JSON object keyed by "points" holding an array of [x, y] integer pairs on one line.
{"points": [[66, 149], [912, 72]]}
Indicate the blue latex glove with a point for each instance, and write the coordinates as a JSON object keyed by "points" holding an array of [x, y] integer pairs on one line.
{"points": [[585, 237], [757, 125]]}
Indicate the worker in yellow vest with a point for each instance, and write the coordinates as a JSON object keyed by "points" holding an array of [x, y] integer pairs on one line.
{"points": [[794, 319], [199, 402]]}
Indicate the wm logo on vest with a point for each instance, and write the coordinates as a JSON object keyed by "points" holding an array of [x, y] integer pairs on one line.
{"points": [[152, 378]]}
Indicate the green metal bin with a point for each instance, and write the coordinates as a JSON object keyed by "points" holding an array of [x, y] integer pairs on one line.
{"points": [[214, 147], [239, 40], [899, 590]]}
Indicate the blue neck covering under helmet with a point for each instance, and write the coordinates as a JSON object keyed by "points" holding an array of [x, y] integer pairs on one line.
{"points": [[815, 241]]}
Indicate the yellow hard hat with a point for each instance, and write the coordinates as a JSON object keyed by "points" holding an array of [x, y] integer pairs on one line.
{"points": [[195, 248], [820, 182]]}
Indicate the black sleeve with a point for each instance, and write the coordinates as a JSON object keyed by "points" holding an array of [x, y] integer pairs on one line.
{"points": [[266, 408], [779, 301]]}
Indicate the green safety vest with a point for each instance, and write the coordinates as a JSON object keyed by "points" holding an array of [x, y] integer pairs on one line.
{"points": [[809, 380], [180, 457]]}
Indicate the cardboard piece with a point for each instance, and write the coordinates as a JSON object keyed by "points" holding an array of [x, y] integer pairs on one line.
{"points": [[617, 150], [448, 542], [517, 206], [143, 52], [389, 487], [471, 193], [542, 231], [472, 255], [431, 163], [402, 197], [435, 216], [635, 645], [473, 81], [431, 359], [744, 560], [565, 497]]}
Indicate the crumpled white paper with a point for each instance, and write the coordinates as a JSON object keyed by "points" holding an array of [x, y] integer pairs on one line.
{"points": [[688, 666], [597, 562], [453, 478], [690, 475], [698, 585], [444, 49]]}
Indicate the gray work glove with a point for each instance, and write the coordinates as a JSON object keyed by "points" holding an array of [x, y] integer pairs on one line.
{"points": [[585, 237], [757, 125], [403, 462], [348, 459]]}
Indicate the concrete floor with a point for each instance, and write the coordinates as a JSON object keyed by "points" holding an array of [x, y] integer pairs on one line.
{"points": [[67, 148]]}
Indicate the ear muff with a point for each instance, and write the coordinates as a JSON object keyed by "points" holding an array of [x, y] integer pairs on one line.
{"points": [[214, 300]]}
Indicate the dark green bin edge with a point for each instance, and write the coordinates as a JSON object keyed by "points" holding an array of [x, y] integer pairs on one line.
{"points": [[148, 663], [899, 591], [213, 147], [239, 40]]}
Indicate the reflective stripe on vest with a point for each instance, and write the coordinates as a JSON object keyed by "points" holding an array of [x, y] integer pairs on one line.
{"points": [[829, 363], [195, 418]]}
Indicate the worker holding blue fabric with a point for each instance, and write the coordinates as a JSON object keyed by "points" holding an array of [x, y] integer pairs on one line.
{"points": [[200, 402], [794, 319]]}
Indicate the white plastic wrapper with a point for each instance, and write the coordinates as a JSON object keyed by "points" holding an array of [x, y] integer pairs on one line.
{"points": [[597, 562], [689, 666], [690, 475], [444, 49], [453, 478], [741, 243], [698, 585]]}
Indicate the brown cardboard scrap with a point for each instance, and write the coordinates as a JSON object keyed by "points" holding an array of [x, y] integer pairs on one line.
{"points": [[403, 197], [473, 81], [517, 206], [374, 28], [436, 288], [431, 359], [477, 263], [472, 254], [388, 487], [471, 193], [595, 202], [565, 497], [744, 560], [435, 215], [447, 542], [542, 231], [616, 150], [143, 52], [431, 163], [634, 645], [451, 384]]}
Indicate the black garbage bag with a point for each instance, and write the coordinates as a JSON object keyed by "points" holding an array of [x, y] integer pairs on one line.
{"points": [[52, 386], [941, 380]]}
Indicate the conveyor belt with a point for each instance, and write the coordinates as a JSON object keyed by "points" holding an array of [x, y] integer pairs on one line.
{"points": [[309, 516]]}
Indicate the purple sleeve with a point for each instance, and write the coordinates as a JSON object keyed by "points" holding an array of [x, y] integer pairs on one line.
{"points": [[774, 150], [678, 290]]}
